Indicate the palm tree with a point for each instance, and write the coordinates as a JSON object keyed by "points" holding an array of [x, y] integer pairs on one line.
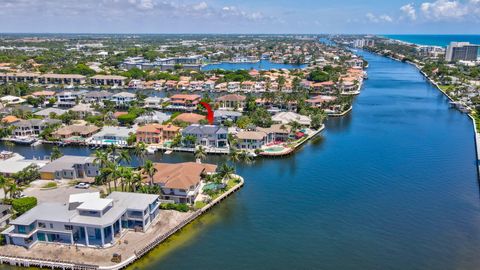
{"points": [[124, 156], [101, 158], [244, 157], [200, 153], [234, 155], [4, 185], [13, 188], [126, 177], [56, 153], [226, 171], [150, 170], [135, 181], [140, 150]]}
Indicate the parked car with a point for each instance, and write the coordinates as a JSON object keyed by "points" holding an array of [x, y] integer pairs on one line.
{"points": [[82, 185]]}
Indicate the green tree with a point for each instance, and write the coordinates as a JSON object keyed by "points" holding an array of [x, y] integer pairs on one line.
{"points": [[56, 153]]}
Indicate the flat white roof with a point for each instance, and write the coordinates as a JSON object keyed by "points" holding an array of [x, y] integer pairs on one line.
{"points": [[83, 197], [95, 204]]}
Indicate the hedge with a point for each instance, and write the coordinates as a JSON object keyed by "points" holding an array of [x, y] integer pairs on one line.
{"points": [[22, 205]]}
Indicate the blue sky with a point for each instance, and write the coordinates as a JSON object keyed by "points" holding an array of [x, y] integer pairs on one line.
{"points": [[246, 16]]}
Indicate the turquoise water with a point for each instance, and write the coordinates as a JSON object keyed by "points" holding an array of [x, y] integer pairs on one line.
{"points": [[261, 65], [275, 149], [391, 186], [436, 40]]}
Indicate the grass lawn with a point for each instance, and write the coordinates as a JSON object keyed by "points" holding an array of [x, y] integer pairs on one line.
{"points": [[50, 185]]}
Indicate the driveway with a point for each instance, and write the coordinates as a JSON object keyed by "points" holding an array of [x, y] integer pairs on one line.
{"points": [[59, 194]]}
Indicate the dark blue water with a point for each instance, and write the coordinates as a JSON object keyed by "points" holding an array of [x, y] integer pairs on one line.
{"points": [[393, 185], [436, 40], [261, 65]]}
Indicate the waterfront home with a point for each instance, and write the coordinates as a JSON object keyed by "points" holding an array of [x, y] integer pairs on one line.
{"points": [[12, 163], [83, 110], [75, 133], [184, 102], [85, 220], [69, 79], [97, 96], [70, 167], [69, 98], [276, 133], [233, 87], [327, 86], [209, 85], [110, 80], [136, 84], [5, 214], [153, 102], [320, 101], [251, 140], [222, 116], [171, 85], [274, 107], [48, 112], [190, 118], [112, 135], [32, 127], [248, 86], [221, 87], [180, 182], [231, 102], [152, 117], [156, 133], [123, 98], [287, 117], [10, 100], [207, 135]]}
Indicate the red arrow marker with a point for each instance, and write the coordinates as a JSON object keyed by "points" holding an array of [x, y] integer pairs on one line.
{"points": [[209, 112]]}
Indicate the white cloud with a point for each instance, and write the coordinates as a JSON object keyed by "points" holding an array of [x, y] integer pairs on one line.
{"points": [[200, 6], [447, 9], [378, 19], [409, 11]]}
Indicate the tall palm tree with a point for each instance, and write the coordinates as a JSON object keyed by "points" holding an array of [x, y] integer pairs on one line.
{"points": [[234, 155], [56, 153], [136, 181], [123, 156], [126, 175], [13, 188], [200, 153], [244, 157], [101, 158], [226, 171], [140, 150], [150, 170], [4, 185]]}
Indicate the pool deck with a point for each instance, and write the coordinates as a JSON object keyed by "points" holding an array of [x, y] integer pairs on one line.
{"points": [[291, 150]]}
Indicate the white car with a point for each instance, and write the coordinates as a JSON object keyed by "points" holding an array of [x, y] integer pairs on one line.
{"points": [[82, 185]]}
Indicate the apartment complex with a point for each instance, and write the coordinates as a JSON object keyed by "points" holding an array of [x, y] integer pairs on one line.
{"points": [[465, 51]]}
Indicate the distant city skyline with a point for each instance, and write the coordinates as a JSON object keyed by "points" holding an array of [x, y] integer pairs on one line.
{"points": [[248, 16]]}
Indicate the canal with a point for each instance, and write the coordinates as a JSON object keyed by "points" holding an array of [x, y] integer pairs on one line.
{"points": [[393, 185]]}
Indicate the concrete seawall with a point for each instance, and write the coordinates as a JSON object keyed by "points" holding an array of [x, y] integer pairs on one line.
{"points": [[58, 264]]}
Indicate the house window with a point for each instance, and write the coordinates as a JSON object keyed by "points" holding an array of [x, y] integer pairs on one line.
{"points": [[68, 227], [51, 225], [41, 225]]}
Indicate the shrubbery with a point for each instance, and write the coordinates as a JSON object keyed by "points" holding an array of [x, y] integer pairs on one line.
{"points": [[181, 207], [22, 205]]}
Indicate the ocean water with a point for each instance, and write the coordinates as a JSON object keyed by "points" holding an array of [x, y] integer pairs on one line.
{"points": [[436, 40], [393, 185]]}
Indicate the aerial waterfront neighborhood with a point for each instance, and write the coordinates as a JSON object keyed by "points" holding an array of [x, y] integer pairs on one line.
{"points": [[166, 97], [85, 129]]}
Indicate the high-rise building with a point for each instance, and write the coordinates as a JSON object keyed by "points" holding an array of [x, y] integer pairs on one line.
{"points": [[461, 51]]}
